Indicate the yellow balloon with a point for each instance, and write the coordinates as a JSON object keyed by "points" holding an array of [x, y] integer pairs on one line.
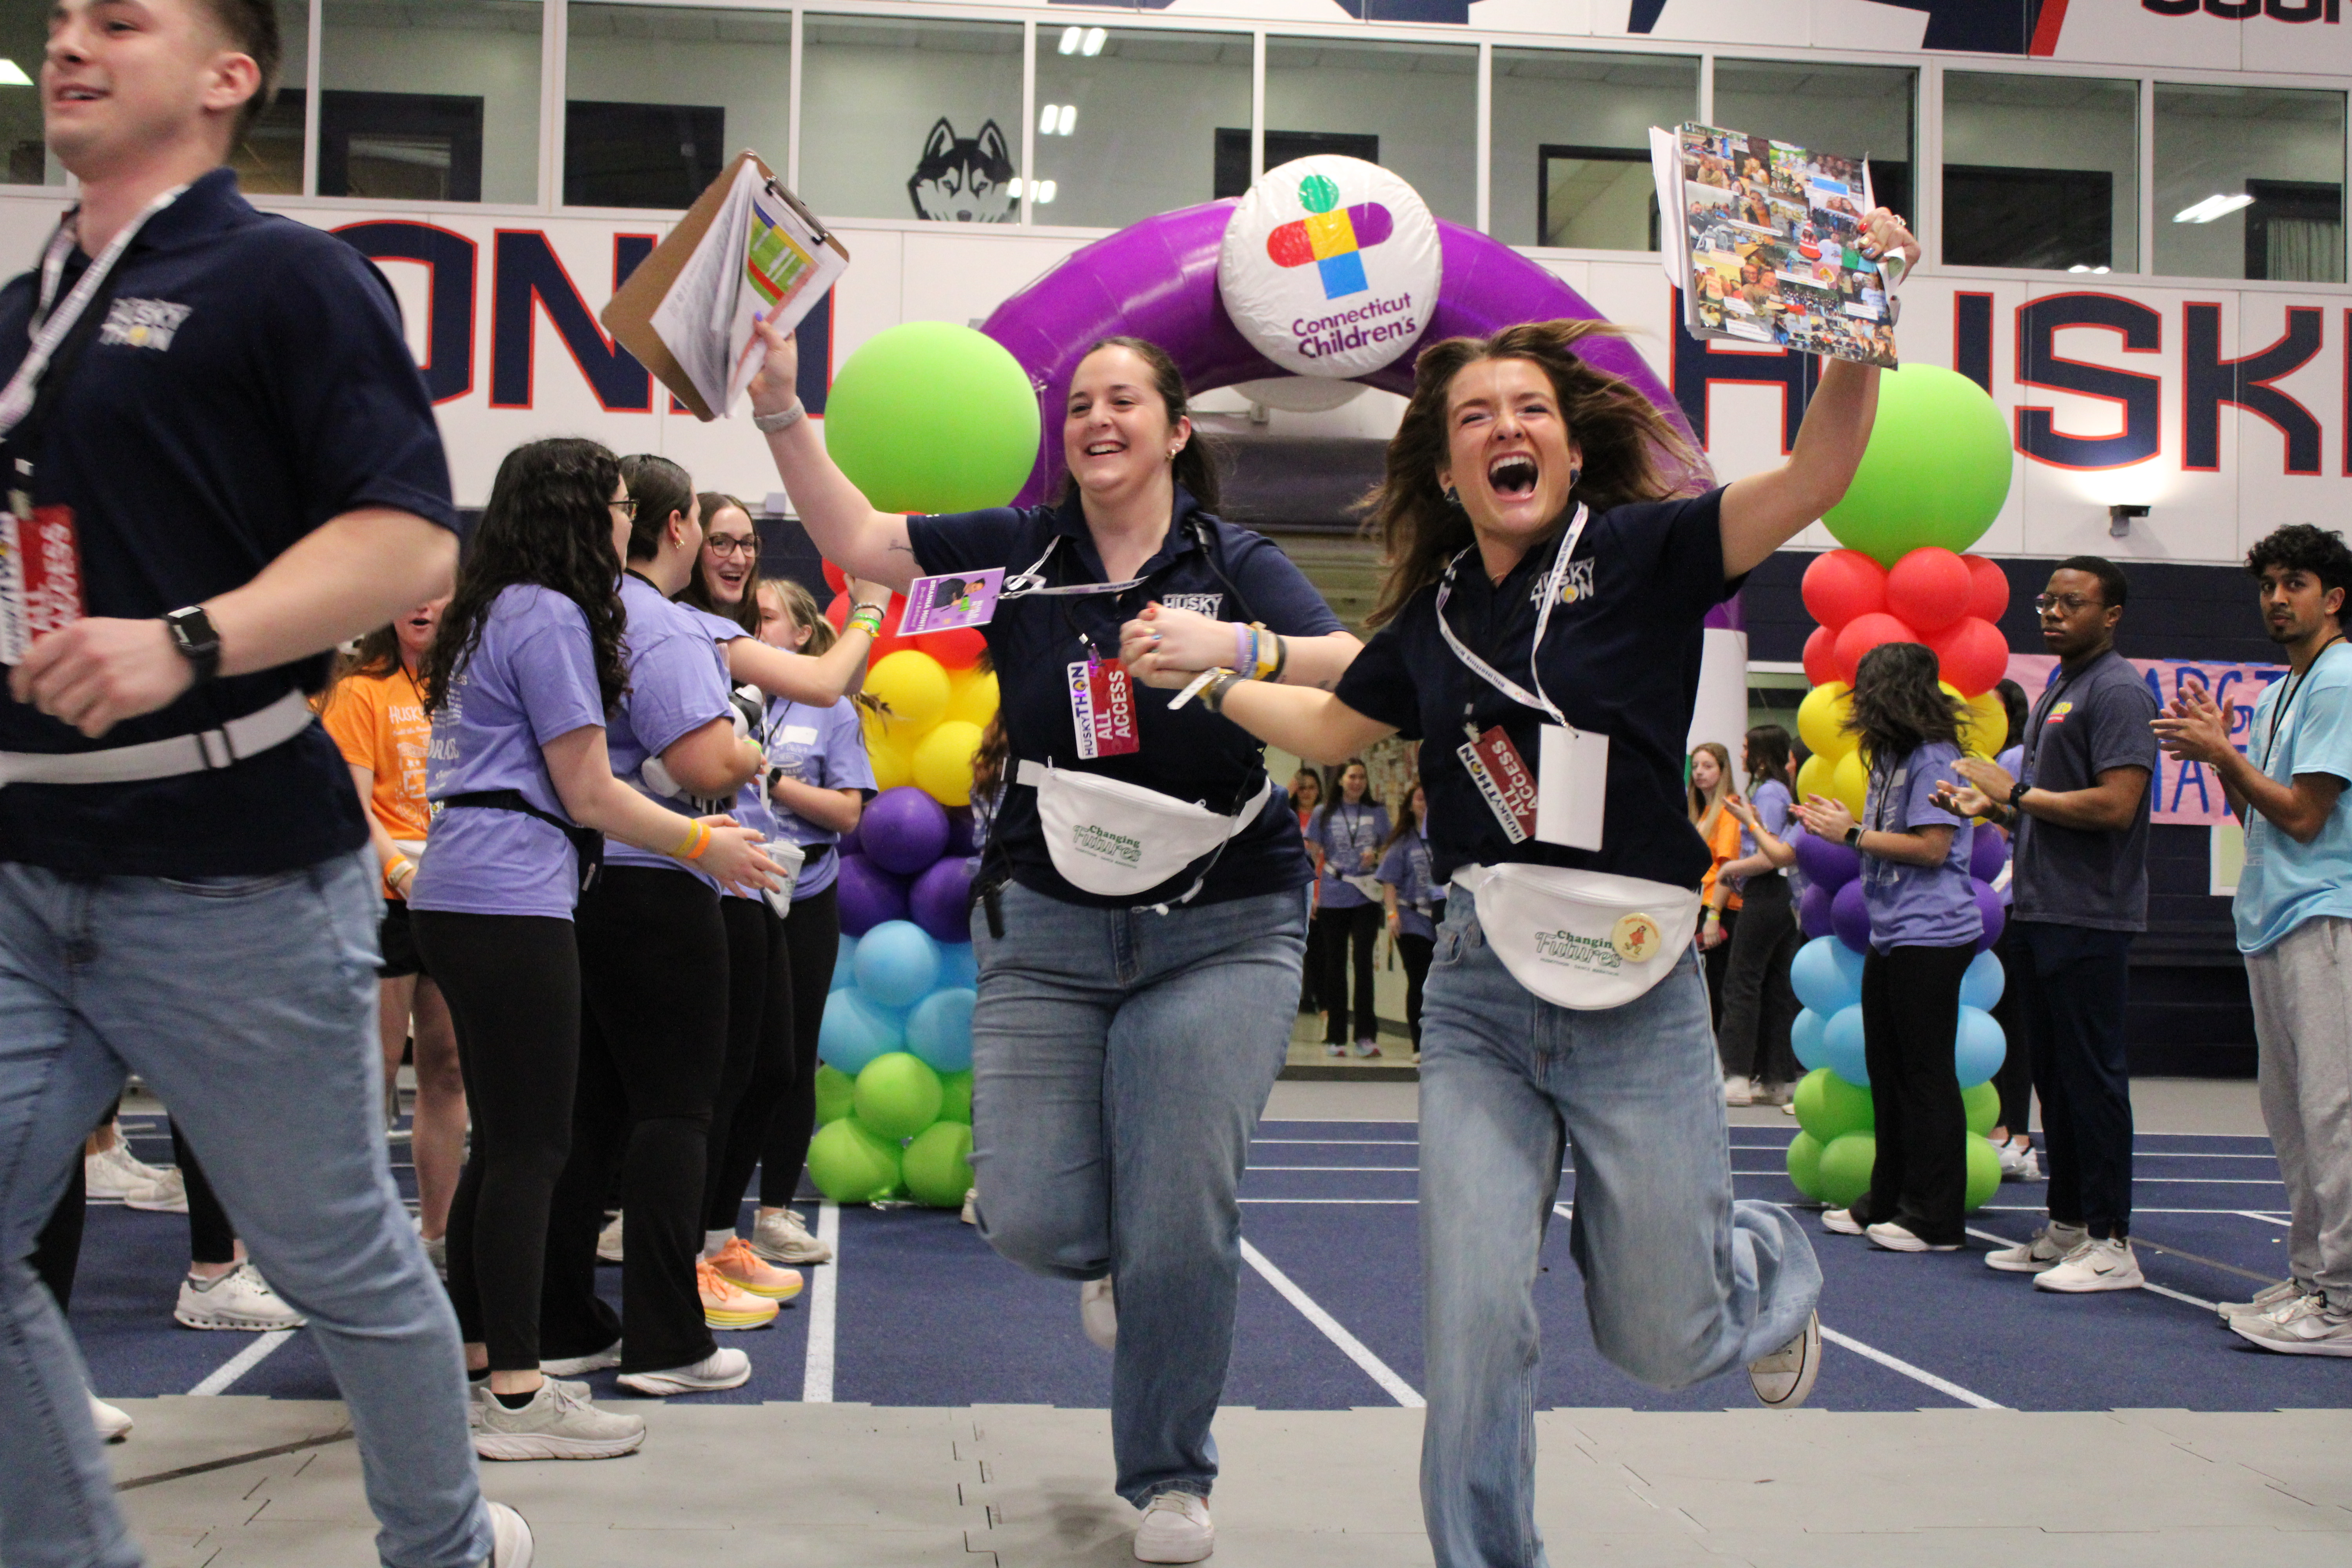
{"points": [[886, 749], [972, 696], [1851, 783], [915, 688], [1985, 730], [1820, 719], [942, 762], [1818, 777]]}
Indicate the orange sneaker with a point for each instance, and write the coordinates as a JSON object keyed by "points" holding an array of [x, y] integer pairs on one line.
{"points": [[725, 1306], [746, 1270]]}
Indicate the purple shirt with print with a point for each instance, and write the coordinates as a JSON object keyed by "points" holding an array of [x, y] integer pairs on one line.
{"points": [[677, 683], [750, 807], [1918, 906], [825, 748]]}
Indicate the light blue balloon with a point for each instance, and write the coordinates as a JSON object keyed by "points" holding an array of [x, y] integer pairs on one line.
{"points": [[1979, 1048], [844, 965], [1842, 1043], [1805, 1036], [855, 1032], [1826, 976], [939, 1029], [898, 963], [1982, 986], [957, 967]]}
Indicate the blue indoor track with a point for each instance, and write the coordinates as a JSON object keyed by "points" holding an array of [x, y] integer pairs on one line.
{"points": [[917, 1311]]}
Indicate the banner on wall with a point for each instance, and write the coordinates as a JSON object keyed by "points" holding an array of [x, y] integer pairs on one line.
{"points": [[2187, 794]]}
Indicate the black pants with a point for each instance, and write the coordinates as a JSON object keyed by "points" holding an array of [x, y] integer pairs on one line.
{"points": [[1910, 1009], [812, 947], [759, 1053], [1359, 927], [57, 1250], [1758, 1007], [1715, 963], [2015, 1078], [211, 1237], [1415, 951], [653, 1043], [1310, 972], [2074, 985], [513, 987]]}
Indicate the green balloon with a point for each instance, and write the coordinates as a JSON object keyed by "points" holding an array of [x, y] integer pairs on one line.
{"points": [[1828, 1106], [931, 416], [1982, 1104], [835, 1089], [955, 1096], [938, 1164], [1845, 1168], [1936, 473], [852, 1164], [898, 1095], [1805, 1164], [1984, 1174]]}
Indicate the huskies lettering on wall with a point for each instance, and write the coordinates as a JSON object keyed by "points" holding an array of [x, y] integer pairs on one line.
{"points": [[964, 179]]}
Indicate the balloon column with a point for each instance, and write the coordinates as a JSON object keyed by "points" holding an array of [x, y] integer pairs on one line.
{"points": [[1935, 476]]}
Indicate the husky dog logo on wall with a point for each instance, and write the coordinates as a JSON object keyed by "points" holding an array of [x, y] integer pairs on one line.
{"points": [[964, 179]]}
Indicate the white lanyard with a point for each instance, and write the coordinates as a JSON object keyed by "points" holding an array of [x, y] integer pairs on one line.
{"points": [[1031, 583], [2286, 703], [1488, 672], [52, 329]]}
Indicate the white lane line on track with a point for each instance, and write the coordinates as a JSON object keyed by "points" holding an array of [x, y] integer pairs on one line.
{"points": [[823, 1294], [1942, 1385], [2136, 1208], [2283, 1223], [223, 1376], [1353, 1348]]}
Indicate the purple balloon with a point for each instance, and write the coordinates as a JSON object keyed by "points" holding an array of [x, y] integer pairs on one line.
{"points": [[960, 840], [940, 902], [1827, 863], [1988, 852], [869, 895], [904, 830], [852, 843], [1850, 915], [1813, 912], [1995, 913]]}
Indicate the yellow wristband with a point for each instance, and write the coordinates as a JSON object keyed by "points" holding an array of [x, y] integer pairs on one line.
{"points": [[1265, 644], [698, 840]]}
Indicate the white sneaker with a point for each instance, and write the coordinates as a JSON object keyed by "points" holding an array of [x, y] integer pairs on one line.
{"points": [[2046, 1251], [781, 1237], [113, 1425], [558, 1423], [574, 1365], [1895, 1238], [509, 1537], [971, 1215], [1739, 1092], [2270, 1299], [478, 1394], [117, 1173], [1099, 1315], [1841, 1222], [2013, 1159], [1784, 1380], [1368, 1047], [1175, 1529], [2307, 1328], [239, 1299], [167, 1194], [2033, 1168], [2095, 1266], [608, 1242], [1334, 1048], [720, 1369]]}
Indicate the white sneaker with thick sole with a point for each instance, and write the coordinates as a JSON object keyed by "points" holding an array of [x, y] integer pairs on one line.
{"points": [[1739, 1092], [781, 1237], [576, 1366], [1368, 1047], [1841, 1222], [1784, 1380], [167, 1194], [1334, 1048], [558, 1423], [113, 1425], [2095, 1266], [2012, 1161], [509, 1538], [117, 1173], [1176, 1528], [2048, 1249], [720, 1369], [2270, 1299], [2306, 1328], [1099, 1315], [241, 1299], [608, 1242], [1895, 1238]]}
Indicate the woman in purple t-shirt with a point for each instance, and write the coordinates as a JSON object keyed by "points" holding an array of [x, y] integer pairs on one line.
{"points": [[1924, 926]]}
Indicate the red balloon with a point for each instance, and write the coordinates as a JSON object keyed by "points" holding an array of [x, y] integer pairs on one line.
{"points": [[1843, 585], [1864, 633], [1821, 656], [1988, 589], [959, 648], [1928, 588], [836, 578], [1971, 653]]}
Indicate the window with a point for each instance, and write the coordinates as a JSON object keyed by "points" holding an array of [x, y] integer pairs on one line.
{"points": [[1858, 110], [1421, 101], [269, 159], [1572, 144], [2041, 171], [429, 99], [911, 119], [2250, 183], [1126, 120], [660, 98], [1233, 173], [24, 36]]}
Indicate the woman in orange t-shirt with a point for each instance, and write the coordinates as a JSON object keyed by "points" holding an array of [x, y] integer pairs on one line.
{"points": [[376, 714], [1709, 782]]}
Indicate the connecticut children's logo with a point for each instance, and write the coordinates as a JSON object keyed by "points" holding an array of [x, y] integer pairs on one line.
{"points": [[1330, 266], [1331, 237]]}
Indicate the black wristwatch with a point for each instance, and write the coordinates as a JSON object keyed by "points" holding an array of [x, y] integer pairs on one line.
{"points": [[2017, 798], [1853, 836], [193, 635]]}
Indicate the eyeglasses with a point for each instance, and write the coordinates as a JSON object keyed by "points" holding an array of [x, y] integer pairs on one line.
{"points": [[722, 545], [626, 506], [2070, 603]]}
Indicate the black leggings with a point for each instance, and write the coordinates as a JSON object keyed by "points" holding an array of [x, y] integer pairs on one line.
{"points": [[653, 1042], [57, 1250], [812, 946], [759, 1067], [1415, 951], [211, 1237], [513, 986], [1359, 927], [1910, 1007], [1758, 1007]]}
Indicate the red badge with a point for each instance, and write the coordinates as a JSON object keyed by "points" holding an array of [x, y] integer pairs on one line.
{"points": [[1502, 776], [1102, 709], [40, 576]]}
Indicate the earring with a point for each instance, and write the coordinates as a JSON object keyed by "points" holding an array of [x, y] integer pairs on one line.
{"points": [[1575, 472], [1453, 498]]}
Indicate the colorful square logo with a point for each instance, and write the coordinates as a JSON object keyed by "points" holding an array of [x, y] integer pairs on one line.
{"points": [[1331, 237]]}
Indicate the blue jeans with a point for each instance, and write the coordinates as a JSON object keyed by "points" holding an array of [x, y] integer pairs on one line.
{"points": [[1680, 1282], [249, 1005], [1120, 1062]]}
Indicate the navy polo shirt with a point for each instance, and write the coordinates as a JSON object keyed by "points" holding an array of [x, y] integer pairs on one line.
{"points": [[279, 393], [1620, 657], [1190, 754]]}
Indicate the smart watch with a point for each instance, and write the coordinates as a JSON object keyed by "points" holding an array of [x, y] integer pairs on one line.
{"points": [[2017, 796], [193, 636], [1853, 836]]}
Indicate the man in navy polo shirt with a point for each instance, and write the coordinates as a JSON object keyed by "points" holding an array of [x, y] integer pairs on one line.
{"points": [[220, 461]]}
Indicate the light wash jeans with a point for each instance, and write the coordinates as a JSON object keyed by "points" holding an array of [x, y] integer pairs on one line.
{"points": [[1680, 1282], [249, 1004], [1120, 1062]]}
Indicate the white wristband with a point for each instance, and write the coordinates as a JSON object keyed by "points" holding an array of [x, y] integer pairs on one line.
{"points": [[781, 419]]}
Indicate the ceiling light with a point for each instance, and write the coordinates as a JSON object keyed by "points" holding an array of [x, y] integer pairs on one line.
{"points": [[12, 75], [1093, 45], [2212, 208], [1068, 120], [2099, 270], [2078, 267], [1045, 118], [1044, 195], [1070, 38]]}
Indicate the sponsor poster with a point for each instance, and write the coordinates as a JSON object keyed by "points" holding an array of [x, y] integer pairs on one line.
{"points": [[2187, 794]]}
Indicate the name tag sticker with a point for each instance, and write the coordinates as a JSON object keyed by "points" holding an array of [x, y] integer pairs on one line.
{"points": [[1573, 765], [1501, 774], [798, 735], [1102, 709]]}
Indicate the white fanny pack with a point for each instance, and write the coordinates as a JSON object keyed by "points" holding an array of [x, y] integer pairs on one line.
{"points": [[1121, 839], [1585, 939], [233, 743]]}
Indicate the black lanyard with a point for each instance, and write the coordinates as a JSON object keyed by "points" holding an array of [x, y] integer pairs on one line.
{"points": [[2293, 688]]}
